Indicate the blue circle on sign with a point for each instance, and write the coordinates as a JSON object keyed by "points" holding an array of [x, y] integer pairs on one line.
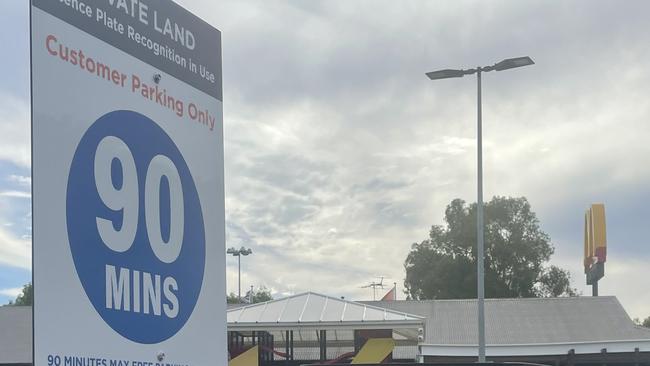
{"points": [[140, 296]]}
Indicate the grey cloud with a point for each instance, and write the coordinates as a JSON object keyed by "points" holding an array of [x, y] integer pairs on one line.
{"points": [[330, 123], [376, 184]]}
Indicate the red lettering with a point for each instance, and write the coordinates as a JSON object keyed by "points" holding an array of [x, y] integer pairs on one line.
{"points": [[192, 111], [135, 83], [90, 64], [73, 57], [81, 59], [48, 40]]}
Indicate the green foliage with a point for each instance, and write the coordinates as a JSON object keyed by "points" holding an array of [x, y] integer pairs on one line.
{"points": [[555, 282], [26, 297], [261, 295], [232, 298], [644, 323], [444, 266]]}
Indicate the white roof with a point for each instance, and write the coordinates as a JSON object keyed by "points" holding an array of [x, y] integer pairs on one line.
{"points": [[316, 311]]}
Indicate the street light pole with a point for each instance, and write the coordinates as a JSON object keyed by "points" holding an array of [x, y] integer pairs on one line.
{"points": [[480, 249], [238, 253]]}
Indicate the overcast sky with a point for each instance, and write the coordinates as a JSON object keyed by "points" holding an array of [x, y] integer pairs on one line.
{"points": [[340, 153]]}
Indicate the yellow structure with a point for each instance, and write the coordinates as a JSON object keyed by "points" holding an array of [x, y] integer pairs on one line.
{"points": [[595, 236], [248, 358], [374, 351]]}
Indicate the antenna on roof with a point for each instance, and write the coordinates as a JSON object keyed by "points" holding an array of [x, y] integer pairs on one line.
{"points": [[374, 286]]}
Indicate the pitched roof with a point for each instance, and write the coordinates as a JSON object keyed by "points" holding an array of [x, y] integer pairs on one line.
{"points": [[524, 321], [312, 310], [15, 334]]}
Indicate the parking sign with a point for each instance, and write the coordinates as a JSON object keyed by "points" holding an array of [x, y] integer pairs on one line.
{"points": [[128, 206]]}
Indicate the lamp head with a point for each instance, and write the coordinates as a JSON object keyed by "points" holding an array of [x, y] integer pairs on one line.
{"points": [[445, 74], [511, 63]]}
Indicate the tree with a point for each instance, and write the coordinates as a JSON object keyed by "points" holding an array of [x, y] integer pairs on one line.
{"points": [[232, 298], [644, 323], [554, 282], [261, 295], [26, 297], [444, 266]]}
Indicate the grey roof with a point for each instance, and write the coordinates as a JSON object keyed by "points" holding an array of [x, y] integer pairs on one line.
{"points": [[448, 322], [310, 309], [15, 334], [524, 321]]}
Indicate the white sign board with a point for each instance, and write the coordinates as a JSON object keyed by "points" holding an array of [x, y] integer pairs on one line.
{"points": [[128, 210]]}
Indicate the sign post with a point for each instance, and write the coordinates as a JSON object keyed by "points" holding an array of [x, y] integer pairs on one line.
{"points": [[128, 195]]}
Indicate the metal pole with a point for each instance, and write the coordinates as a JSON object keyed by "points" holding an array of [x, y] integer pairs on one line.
{"points": [[292, 348], [239, 277], [479, 230], [286, 347]]}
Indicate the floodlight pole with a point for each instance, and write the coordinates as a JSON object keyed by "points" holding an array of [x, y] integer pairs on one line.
{"points": [[480, 250], [238, 253], [239, 277]]}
